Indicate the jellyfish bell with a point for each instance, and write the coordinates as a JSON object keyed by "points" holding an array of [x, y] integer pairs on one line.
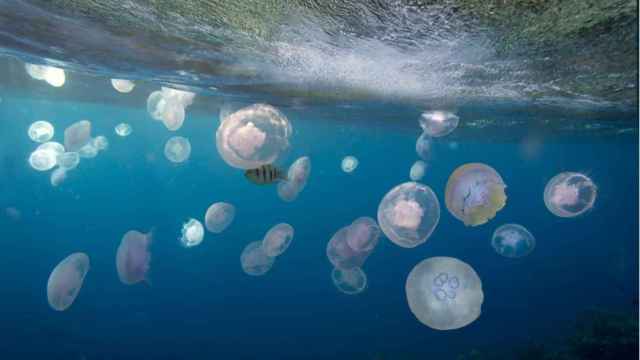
{"points": [[58, 175], [41, 131], [416, 173], [88, 151], [45, 157], [277, 240], [408, 214], [68, 160], [297, 177], [343, 256], [349, 164], [444, 293], [123, 129], [77, 135], [54, 76], [513, 241], [155, 105], [349, 281], [192, 233], [219, 216], [123, 86], [100, 142], [424, 146], [37, 72], [254, 260], [253, 136], [475, 192], [438, 123], [182, 97], [570, 194], [363, 234], [177, 149], [173, 115], [133, 258], [66, 280]]}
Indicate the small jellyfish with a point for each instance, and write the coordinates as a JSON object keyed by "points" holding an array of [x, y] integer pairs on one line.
{"points": [[133, 257], [444, 293], [513, 241], [423, 146], [182, 97], [123, 129], [253, 136], [297, 177], [408, 214], [254, 260], [349, 164], [417, 170], [54, 76], [77, 135], [475, 193], [100, 142], [42, 159], [349, 281], [438, 123], [155, 105], [66, 280], [58, 175], [53, 147], [277, 240], [363, 234], [177, 149], [342, 255], [41, 131], [37, 72], [88, 151], [570, 194], [123, 86], [173, 115], [219, 216], [68, 160], [192, 233]]}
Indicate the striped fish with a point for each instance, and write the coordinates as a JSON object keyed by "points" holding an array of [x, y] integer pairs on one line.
{"points": [[265, 174]]}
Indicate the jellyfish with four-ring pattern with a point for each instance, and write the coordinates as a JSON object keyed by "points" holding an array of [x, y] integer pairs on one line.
{"points": [[570, 194], [513, 241]]}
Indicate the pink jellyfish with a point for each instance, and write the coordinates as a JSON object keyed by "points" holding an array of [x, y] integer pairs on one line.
{"points": [[133, 257]]}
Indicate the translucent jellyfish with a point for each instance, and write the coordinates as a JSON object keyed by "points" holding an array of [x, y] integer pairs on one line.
{"points": [[123, 129], [182, 97], [77, 135], [349, 163], [297, 176], [253, 136], [66, 280], [68, 160], [123, 86], [219, 216], [88, 151], [100, 142], [363, 234], [54, 76], [513, 241], [58, 175], [173, 115], [339, 250], [417, 170], [177, 149], [133, 257], [423, 146], [51, 146], [408, 214], [277, 240], [349, 281], [475, 193], [438, 123], [37, 72], [192, 233], [570, 194], [41, 131], [43, 158], [155, 105], [444, 293], [254, 260]]}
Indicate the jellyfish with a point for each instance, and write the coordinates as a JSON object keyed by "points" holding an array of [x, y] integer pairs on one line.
{"points": [[408, 214], [68, 160], [570, 194], [253, 136], [423, 146], [53, 147], [100, 142], [277, 240], [513, 241], [438, 123], [45, 156], [155, 105], [58, 175], [297, 177], [37, 72], [133, 257], [123, 129], [173, 115], [363, 235], [349, 281], [342, 255], [41, 131], [417, 170], [54, 76], [444, 293], [88, 151], [66, 280], [123, 86], [254, 260], [475, 193], [192, 233], [219, 216], [77, 135], [349, 163], [177, 149], [182, 97]]}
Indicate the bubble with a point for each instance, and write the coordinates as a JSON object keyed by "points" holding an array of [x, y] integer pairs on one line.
{"points": [[253, 136], [68, 160], [349, 163], [277, 240], [408, 214], [423, 146], [133, 257], [363, 234], [297, 176], [66, 280], [123, 129], [513, 241], [438, 123], [192, 233], [77, 135], [444, 293], [570, 194], [100, 143], [254, 260], [219, 216], [58, 176], [350, 281], [475, 193], [351, 245], [123, 86], [417, 170], [177, 149], [41, 131]]}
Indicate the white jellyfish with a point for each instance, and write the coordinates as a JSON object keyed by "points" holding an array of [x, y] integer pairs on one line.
{"points": [[68, 160], [444, 293], [349, 164], [66, 280], [351, 245], [254, 260], [570, 194], [123, 129], [192, 233], [297, 177], [58, 175], [417, 170], [438, 123], [88, 151], [177, 149], [253, 136], [155, 105], [182, 97], [423, 146], [123, 86], [219, 216], [277, 240], [41, 131], [349, 281], [45, 157], [53, 147], [173, 115], [54, 76], [77, 135], [100, 142], [37, 72], [408, 214], [513, 241]]}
